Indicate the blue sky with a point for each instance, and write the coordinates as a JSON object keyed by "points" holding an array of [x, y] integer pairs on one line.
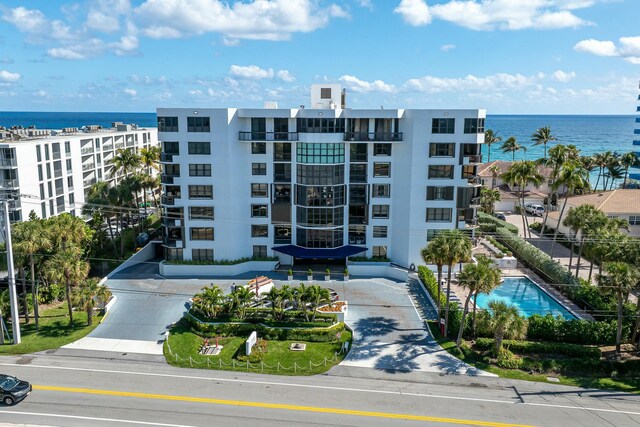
{"points": [[508, 56]]}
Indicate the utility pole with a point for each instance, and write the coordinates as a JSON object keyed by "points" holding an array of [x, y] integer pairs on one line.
{"points": [[13, 297]]}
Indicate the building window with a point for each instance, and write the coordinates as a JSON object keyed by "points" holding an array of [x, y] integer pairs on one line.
{"points": [[260, 230], [382, 169], [72, 199], [380, 211], [438, 214], [381, 190], [474, 125], [634, 220], [443, 125], [167, 124], [259, 251], [439, 193], [320, 153], [282, 151], [282, 172], [40, 176], [437, 149], [432, 234], [202, 254], [358, 153], [380, 231], [68, 165], [282, 234], [440, 172], [38, 154], [259, 211], [325, 93], [171, 147], [320, 125], [201, 212], [201, 191], [198, 124], [258, 190], [199, 169], [381, 149], [260, 169], [172, 169], [379, 252], [70, 182], [199, 147], [67, 147], [201, 233], [258, 148]]}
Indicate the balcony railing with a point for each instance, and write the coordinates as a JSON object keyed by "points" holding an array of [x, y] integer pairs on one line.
{"points": [[373, 136], [88, 166], [474, 181], [475, 202], [8, 183], [357, 220], [268, 136], [106, 147], [165, 157], [8, 162], [119, 145], [57, 173], [56, 155], [472, 158], [88, 182], [168, 200], [166, 179], [87, 150], [357, 177]]}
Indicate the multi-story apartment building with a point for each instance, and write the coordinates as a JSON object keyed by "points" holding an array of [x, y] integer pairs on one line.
{"points": [[325, 182], [49, 172], [634, 172]]}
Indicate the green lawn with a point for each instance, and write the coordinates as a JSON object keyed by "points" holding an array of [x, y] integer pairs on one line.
{"points": [[186, 344], [629, 385], [54, 331]]}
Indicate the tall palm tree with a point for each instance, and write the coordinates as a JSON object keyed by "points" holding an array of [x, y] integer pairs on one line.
{"points": [[30, 239], [490, 137], [149, 159], [615, 171], [488, 199], [240, 298], [433, 254], [582, 219], [572, 176], [126, 161], [100, 199], [522, 174], [589, 164], [480, 277], [209, 301], [559, 156], [600, 159], [627, 160], [505, 320], [67, 266], [495, 171], [609, 161], [456, 248], [66, 230], [512, 146], [87, 294], [542, 137], [619, 279], [274, 297]]}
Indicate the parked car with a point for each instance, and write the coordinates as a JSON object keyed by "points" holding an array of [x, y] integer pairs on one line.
{"points": [[13, 389], [501, 216], [534, 209]]}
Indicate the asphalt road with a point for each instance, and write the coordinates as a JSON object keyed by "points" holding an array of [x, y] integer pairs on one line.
{"points": [[80, 391]]}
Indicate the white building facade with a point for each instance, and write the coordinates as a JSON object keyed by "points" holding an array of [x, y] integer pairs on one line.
{"points": [[50, 172], [316, 183]]}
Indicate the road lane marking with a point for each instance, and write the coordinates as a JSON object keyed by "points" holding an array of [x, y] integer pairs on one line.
{"points": [[287, 407], [80, 417], [321, 387]]}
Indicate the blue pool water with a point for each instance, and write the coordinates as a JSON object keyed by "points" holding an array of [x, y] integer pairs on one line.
{"points": [[527, 296]]}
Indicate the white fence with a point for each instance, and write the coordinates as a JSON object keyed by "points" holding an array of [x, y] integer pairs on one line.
{"points": [[176, 270]]}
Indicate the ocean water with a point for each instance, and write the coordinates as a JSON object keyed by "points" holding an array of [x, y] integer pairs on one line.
{"points": [[591, 134]]}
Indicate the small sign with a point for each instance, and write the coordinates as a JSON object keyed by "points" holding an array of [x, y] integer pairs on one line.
{"points": [[251, 341]]}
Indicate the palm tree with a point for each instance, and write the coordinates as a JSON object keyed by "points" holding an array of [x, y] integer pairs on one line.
{"points": [[572, 176], [209, 301], [542, 137], [511, 146], [522, 174], [608, 161], [582, 219], [87, 293], [67, 266], [274, 297], [488, 199], [589, 164], [619, 279], [433, 254], [481, 277], [627, 160], [490, 137], [495, 171], [66, 230], [126, 161], [505, 320], [615, 171], [30, 238], [299, 294], [456, 248], [317, 295], [100, 199], [149, 158], [240, 298], [559, 156], [600, 159]]}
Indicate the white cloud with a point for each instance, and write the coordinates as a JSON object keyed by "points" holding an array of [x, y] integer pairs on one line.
{"points": [[252, 72], [65, 53], [414, 12], [563, 77], [131, 92], [362, 86], [285, 76], [227, 41], [265, 20], [26, 20], [367, 4], [447, 47], [126, 45], [628, 48], [497, 82], [9, 77]]}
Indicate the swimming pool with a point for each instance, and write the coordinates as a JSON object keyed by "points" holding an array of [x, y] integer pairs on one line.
{"points": [[527, 296]]}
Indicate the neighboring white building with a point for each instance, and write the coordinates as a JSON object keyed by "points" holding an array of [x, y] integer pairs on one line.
{"points": [[50, 172], [316, 183], [634, 171]]}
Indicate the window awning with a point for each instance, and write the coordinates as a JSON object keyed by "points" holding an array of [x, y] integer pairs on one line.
{"points": [[299, 252]]}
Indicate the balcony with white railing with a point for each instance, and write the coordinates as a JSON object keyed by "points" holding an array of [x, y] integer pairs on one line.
{"points": [[8, 163], [86, 151], [88, 166], [268, 136]]}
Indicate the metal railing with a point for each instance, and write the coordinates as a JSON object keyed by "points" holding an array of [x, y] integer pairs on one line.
{"points": [[88, 182], [8, 162], [166, 179], [8, 183], [474, 181], [87, 150], [168, 200], [164, 157], [474, 158], [267, 136], [88, 166], [373, 136]]}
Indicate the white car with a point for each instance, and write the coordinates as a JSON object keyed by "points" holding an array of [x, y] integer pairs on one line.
{"points": [[534, 209]]}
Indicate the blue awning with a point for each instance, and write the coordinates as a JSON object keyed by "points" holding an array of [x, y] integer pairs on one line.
{"points": [[299, 252]]}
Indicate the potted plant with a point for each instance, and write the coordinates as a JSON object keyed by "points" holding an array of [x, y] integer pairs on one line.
{"points": [[309, 275], [346, 274], [327, 274], [290, 275]]}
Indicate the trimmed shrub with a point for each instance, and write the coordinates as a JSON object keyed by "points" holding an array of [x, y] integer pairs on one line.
{"points": [[557, 329], [533, 347], [430, 282], [508, 360], [484, 218]]}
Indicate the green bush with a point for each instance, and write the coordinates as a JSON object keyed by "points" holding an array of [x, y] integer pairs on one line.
{"points": [[508, 360], [484, 218], [536, 226], [430, 282], [550, 328], [366, 259], [533, 347]]}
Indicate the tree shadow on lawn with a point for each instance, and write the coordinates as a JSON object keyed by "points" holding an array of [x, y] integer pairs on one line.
{"points": [[59, 329]]}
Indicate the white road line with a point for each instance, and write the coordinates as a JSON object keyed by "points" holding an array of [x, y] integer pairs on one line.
{"points": [[361, 390], [79, 417]]}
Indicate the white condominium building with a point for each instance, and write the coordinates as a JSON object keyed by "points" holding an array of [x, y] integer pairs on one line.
{"points": [[49, 172], [319, 183]]}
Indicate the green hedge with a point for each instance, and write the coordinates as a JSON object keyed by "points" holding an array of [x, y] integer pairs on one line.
{"points": [[495, 223], [529, 347], [549, 328], [295, 318], [430, 282], [243, 329]]}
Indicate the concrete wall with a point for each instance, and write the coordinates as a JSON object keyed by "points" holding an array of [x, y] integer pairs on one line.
{"points": [[176, 270], [377, 269], [144, 254]]}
